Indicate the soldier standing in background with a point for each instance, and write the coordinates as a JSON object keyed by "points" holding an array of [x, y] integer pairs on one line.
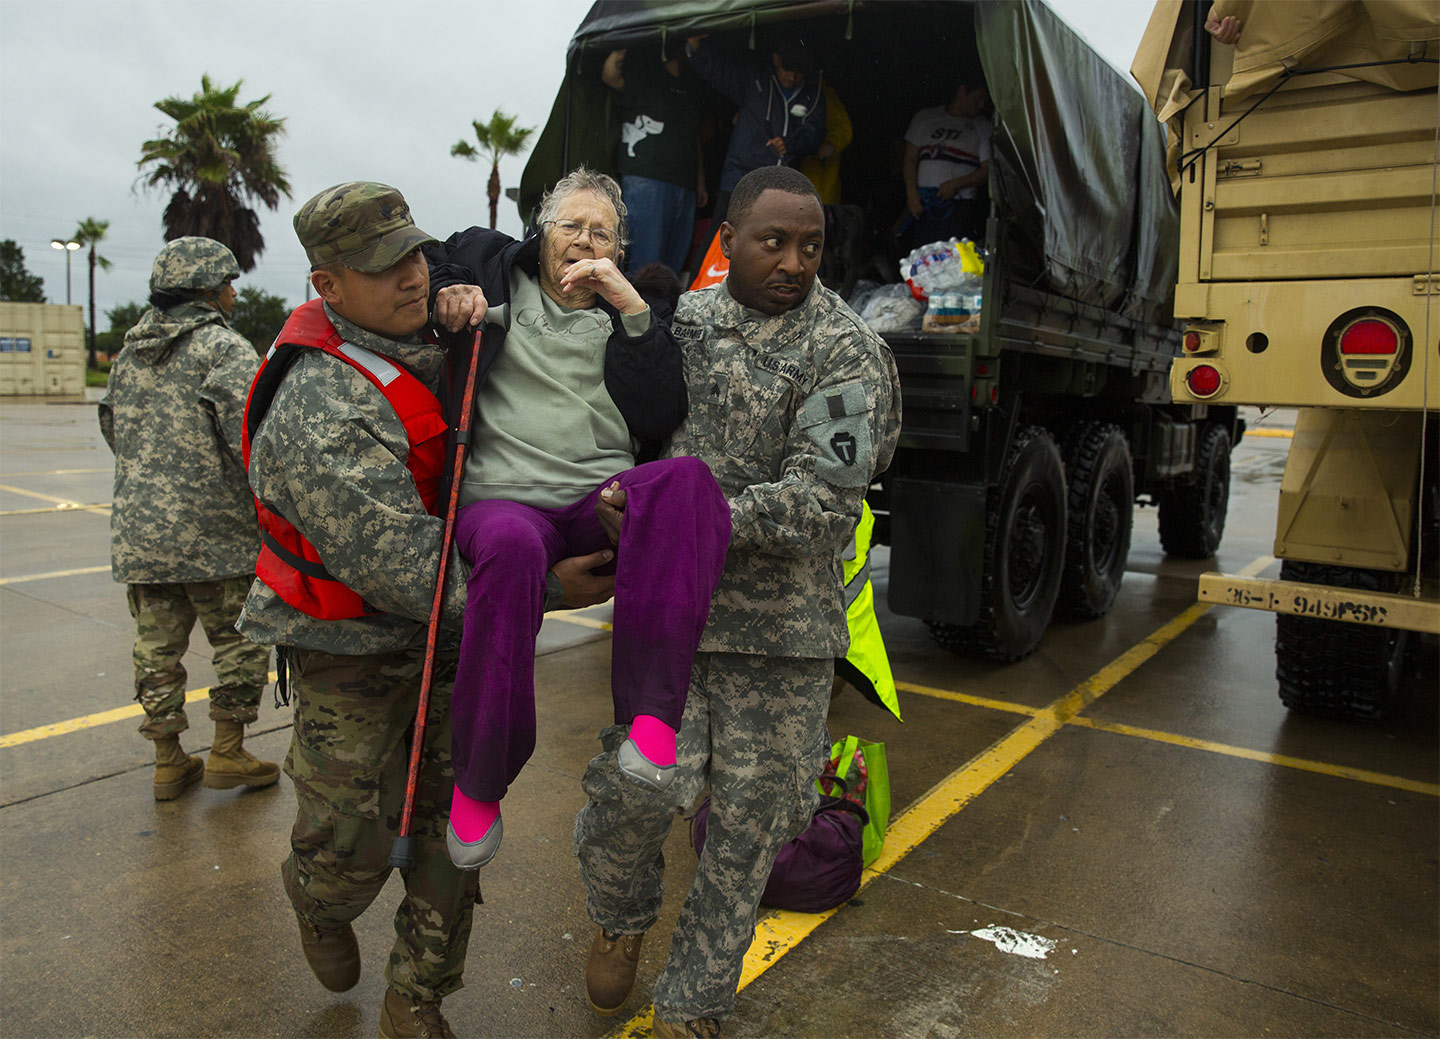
{"points": [[183, 537], [795, 406]]}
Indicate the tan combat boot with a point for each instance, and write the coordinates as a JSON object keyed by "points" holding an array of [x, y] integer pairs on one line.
{"points": [[610, 970], [174, 769], [402, 1016], [333, 954], [232, 765]]}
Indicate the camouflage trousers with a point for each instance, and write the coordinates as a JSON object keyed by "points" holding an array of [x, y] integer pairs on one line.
{"points": [[348, 759], [164, 617], [754, 728]]}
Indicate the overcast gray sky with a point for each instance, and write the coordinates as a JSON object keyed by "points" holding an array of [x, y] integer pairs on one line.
{"points": [[370, 91]]}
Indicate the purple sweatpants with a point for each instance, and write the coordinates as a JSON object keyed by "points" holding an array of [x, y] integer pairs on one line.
{"points": [[667, 565]]}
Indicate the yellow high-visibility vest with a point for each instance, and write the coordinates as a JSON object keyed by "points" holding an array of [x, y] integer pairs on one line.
{"points": [[866, 666]]}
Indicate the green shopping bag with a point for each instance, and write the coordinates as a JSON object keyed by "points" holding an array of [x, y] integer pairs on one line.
{"points": [[862, 766]]}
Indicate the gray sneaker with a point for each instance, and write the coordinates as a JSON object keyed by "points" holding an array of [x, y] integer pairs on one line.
{"points": [[474, 854], [641, 769]]}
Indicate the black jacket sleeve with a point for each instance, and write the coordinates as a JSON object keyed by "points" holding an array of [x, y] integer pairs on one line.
{"points": [[643, 375], [477, 256]]}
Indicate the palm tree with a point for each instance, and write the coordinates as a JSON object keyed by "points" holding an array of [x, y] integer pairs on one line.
{"points": [[90, 232], [499, 137], [220, 159]]}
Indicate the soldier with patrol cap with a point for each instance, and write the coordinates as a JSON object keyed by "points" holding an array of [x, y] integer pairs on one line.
{"points": [[345, 442], [795, 406], [182, 524]]}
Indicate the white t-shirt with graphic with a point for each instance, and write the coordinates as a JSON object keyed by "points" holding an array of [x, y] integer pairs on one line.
{"points": [[950, 146]]}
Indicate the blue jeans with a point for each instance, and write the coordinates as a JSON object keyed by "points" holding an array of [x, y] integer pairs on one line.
{"points": [[949, 218], [662, 222]]}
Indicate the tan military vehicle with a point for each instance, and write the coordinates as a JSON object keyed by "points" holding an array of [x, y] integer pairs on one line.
{"points": [[1304, 156]]}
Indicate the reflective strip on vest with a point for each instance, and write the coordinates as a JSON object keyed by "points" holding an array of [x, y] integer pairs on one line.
{"points": [[856, 584], [385, 373]]}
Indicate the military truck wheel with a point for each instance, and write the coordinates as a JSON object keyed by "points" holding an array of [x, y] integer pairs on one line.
{"points": [[1192, 516], [1101, 510], [1024, 554], [1331, 668]]}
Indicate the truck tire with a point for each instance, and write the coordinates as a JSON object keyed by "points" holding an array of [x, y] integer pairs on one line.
{"points": [[1101, 510], [1024, 554], [1192, 516], [1332, 668]]}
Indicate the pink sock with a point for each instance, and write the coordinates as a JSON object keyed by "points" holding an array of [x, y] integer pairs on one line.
{"points": [[654, 739], [471, 818]]}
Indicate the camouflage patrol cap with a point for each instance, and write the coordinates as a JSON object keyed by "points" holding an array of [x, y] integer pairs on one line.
{"points": [[191, 264], [364, 225]]}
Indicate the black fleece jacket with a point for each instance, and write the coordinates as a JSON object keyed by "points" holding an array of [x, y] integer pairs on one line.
{"points": [[642, 374]]}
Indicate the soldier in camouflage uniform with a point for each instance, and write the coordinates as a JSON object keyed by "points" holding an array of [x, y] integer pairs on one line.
{"points": [[182, 526], [795, 405], [329, 455]]}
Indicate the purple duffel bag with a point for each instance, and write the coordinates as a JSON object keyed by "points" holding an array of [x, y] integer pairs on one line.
{"points": [[816, 871]]}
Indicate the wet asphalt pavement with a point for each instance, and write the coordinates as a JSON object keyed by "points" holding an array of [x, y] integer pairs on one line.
{"points": [[1176, 854]]}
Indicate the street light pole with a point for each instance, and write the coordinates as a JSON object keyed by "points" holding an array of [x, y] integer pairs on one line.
{"points": [[69, 247]]}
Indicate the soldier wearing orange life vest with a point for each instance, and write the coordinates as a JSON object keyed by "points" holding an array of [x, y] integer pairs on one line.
{"points": [[338, 446], [288, 563]]}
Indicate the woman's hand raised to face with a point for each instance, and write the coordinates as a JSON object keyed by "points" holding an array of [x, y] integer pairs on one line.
{"points": [[602, 277]]}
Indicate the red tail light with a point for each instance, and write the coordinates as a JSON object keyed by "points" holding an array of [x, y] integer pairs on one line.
{"points": [[1369, 337], [1203, 380]]}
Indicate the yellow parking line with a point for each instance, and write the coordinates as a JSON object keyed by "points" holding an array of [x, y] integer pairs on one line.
{"points": [[67, 502], [1257, 567], [1286, 433], [1323, 768], [967, 698], [778, 932], [1359, 775], [1175, 739], [90, 721], [56, 573], [98, 506], [61, 504], [60, 472]]}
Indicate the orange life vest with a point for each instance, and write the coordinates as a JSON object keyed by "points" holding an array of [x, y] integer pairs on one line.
{"points": [[288, 562]]}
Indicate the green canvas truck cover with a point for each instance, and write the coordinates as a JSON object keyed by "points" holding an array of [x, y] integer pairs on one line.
{"points": [[1078, 170]]}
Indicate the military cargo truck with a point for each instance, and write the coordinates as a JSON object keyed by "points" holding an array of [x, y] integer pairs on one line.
{"points": [[1027, 443], [1304, 159]]}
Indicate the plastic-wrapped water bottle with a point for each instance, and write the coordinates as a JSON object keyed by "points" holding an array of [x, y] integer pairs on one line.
{"points": [[948, 266], [949, 276]]}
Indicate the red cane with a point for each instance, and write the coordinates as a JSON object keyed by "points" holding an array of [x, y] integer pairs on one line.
{"points": [[402, 854]]}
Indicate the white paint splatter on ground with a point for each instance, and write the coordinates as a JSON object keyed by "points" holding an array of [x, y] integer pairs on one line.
{"points": [[1017, 943]]}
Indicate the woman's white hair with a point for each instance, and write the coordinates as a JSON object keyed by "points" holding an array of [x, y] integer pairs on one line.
{"points": [[582, 178]]}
